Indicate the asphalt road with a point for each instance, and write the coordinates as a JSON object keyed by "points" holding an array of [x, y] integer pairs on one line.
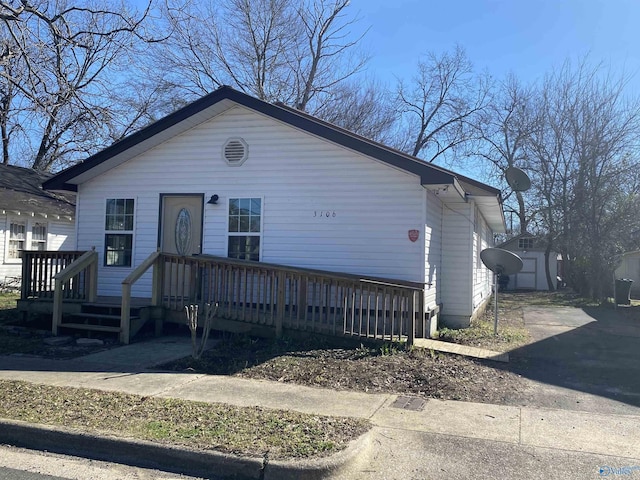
{"points": [[581, 359], [23, 464], [12, 474]]}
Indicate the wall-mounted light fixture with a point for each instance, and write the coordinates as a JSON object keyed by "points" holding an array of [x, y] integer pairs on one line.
{"points": [[213, 200]]}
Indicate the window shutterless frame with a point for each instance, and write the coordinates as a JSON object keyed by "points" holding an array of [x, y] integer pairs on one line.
{"points": [[245, 226], [119, 229]]}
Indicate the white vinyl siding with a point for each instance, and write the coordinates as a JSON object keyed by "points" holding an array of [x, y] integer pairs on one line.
{"points": [[60, 236], [457, 258], [370, 205], [433, 250], [482, 276]]}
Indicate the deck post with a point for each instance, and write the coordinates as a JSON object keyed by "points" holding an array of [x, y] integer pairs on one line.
{"points": [[56, 317], [92, 279], [412, 320], [280, 307], [125, 313], [26, 275], [156, 282]]}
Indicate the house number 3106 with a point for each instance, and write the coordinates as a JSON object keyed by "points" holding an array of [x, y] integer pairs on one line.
{"points": [[324, 213]]}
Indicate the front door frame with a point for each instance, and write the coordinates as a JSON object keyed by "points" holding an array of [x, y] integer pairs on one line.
{"points": [[161, 211]]}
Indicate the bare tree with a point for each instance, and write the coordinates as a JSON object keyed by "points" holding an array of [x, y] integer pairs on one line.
{"points": [[586, 161], [362, 108], [441, 105], [60, 72], [300, 53], [504, 127]]}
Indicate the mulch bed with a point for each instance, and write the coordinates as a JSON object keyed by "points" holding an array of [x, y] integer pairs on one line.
{"points": [[385, 368]]}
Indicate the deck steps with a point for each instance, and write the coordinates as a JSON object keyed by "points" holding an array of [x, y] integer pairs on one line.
{"points": [[102, 317], [91, 327]]}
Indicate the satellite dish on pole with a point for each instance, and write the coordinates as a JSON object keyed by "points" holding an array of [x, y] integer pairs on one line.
{"points": [[500, 262], [517, 179]]}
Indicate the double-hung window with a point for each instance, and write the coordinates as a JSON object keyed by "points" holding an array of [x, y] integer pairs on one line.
{"points": [[39, 236], [245, 228], [17, 238], [118, 238]]}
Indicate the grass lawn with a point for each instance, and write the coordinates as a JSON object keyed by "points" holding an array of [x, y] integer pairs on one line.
{"points": [[251, 431]]}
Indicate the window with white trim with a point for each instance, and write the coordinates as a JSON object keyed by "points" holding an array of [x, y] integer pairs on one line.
{"points": [[525, 243], [245, 228], [17, 238], [118, 238], [39, 236]]}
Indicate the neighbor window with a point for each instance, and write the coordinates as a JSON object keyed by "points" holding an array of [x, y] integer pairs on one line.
{"points": [[245, 216], [118, 238], [39, 236], [525, 243], [17, 238]]}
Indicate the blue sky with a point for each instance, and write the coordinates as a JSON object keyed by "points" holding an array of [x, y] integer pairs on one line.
{"points": [[527, 38]]}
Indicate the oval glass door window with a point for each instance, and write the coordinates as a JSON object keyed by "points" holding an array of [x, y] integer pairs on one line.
{"points": [[183, 232]]}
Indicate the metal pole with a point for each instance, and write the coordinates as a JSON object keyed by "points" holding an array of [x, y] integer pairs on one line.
{"points": [[495, 304]]}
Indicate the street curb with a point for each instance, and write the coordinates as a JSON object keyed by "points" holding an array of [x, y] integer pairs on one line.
{"points": [[319, 468], [172, 458]]}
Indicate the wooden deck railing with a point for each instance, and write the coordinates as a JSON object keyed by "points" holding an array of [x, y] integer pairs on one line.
{"points": [[133, 277], [84, 271], [38, 270], [296, 298]]}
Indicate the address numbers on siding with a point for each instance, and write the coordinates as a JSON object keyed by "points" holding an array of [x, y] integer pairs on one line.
{"points": [[324, 213]]}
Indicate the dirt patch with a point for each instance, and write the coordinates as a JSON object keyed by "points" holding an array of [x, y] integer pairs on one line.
{"points": [[388, 368]]}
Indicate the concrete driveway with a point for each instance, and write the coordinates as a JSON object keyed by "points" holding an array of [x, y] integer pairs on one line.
{"points": [[581, 359]]}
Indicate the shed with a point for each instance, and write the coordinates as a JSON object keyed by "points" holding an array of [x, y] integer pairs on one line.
{"points": [[530, 249]]}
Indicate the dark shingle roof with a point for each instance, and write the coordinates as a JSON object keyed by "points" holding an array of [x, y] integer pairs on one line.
{"points": [[21, 190]]}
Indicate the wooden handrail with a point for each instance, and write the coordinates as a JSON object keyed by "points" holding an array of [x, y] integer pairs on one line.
{"points": [[311, 271], [125, 311], [134, 276], [77, 266], [283, 296], [88, 260]]}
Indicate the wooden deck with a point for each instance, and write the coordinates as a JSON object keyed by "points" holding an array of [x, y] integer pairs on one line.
{"points": [[251, 296]]}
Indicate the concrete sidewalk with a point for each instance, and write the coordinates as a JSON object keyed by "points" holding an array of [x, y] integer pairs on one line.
{"points": [[607, 440]]}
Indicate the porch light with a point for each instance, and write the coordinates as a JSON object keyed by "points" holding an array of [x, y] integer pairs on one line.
{"points": [[213, 200]]}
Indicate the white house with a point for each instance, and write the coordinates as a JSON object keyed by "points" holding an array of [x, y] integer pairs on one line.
{"points": [[533, 274], [30, 219], [231, 175]]}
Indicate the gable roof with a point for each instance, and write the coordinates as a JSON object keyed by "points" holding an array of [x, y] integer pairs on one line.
{"points": [[21, 191], [513, 243], [225, 98]]}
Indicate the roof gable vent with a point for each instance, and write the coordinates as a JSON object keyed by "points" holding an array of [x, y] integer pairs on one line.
{"points": [[235, 151]]}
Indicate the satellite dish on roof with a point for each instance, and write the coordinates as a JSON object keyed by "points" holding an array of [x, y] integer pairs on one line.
{"points": [[500, 262], [517, 179]]}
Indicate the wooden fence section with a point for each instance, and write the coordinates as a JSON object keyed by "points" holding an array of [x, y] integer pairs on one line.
{"points": [[300, 299], [39, 269]]}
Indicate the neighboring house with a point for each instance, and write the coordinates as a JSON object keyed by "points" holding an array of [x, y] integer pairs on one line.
{"points": [[629, 268], [31, 219], [533, 275], [233, 176]]}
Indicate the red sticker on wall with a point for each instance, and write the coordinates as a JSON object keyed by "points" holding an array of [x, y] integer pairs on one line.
{"points": [[413, 235]]}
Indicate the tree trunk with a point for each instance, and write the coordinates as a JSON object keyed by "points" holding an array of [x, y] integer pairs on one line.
{"points": [[547, 269]]}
